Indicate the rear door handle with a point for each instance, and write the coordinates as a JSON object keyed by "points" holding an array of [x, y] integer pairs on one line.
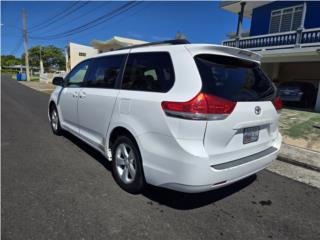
{"points": [[75, 95], [82, 95]]}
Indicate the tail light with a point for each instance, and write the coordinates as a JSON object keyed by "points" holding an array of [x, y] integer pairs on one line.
{"points": [[277, 103], [201, 107]]}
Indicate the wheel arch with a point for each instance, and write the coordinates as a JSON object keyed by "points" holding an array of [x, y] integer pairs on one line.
{"points": [[119, 131], [51, 105]]}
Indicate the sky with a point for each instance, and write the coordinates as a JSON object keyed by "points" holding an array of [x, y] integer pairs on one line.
{"points": [[200, 22]]}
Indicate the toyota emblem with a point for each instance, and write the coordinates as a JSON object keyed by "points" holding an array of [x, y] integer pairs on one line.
{"points": [[257, 110]]}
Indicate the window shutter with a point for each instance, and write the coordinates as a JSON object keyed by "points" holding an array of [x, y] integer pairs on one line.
{"points": [[286, 20], [297, 18], [275, 22]]}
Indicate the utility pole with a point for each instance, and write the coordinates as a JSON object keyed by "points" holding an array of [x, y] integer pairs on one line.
{"points": [[25, 36], [41, 63]]}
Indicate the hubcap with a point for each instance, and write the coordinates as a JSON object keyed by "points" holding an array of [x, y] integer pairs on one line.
{"points": [[125, 163], [54, 120]]}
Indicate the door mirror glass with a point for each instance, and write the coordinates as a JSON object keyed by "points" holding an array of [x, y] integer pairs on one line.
{"points": [[58, 81]]}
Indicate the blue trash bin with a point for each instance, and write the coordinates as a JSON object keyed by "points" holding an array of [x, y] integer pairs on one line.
{"points": [[18, 76], [23, 77]]}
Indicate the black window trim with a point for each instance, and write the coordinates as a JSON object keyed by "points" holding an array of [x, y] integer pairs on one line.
{"points": [[171, 62], [119, 77]]}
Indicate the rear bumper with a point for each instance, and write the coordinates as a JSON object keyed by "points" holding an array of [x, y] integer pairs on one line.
{"points": [[221, 178], [179, 170]]}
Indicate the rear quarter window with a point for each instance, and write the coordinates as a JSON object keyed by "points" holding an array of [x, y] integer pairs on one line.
{"points": [[148, 72], [234, 79]]}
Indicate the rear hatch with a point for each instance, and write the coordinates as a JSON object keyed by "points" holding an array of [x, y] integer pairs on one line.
{"points": [[250, 126]]}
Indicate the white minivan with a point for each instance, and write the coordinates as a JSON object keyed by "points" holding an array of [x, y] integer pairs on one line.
{"points": [[189, 117]]}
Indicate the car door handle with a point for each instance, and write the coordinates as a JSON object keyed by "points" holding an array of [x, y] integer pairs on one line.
{"points": [[82, 95], [75, 95]]}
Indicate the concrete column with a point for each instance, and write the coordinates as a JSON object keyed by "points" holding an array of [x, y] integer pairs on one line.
{"points": [[275, 71], [240, 19], [317, 108]]}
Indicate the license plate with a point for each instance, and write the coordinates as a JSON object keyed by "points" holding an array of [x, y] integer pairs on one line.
{"points": [[250, 134]]}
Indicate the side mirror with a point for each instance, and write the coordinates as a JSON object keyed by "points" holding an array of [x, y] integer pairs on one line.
{"points": [[58, 81]]}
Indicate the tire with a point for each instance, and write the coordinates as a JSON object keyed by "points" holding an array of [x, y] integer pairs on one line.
{"points": [[127, 165], [55, 121]]}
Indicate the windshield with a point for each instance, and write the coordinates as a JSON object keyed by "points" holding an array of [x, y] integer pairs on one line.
{"points": [[234, 79]]}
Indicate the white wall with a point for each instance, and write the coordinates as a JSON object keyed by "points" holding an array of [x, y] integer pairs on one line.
{"points": [[317, 107], [75, 51]]}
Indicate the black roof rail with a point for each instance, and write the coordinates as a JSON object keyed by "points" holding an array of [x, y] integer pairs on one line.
{"points": [[168, 42]]}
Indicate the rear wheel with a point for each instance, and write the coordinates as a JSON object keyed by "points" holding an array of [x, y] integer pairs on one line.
{"points": [[127, 165], [55, 121]]}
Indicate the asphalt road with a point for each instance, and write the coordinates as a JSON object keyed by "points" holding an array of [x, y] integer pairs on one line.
{"points": [[58, 188]]}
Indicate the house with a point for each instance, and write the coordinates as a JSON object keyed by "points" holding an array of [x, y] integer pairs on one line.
{"points": [[114, 43], [285, 33], [75, 52]]}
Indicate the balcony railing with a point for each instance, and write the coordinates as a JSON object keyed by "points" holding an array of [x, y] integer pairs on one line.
{"points": [[277, 40]]}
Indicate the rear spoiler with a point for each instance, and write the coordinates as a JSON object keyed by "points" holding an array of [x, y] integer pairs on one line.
{"points": [[196, 49]]}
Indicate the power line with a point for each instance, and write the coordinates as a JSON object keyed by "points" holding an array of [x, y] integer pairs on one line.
{"points": [[59, 16], [17, 47], [81, 15], [102, 19], [89, 24], [53, 17]]}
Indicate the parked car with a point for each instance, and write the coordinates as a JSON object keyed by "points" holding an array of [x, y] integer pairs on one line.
{"points": [[59, 74], [301, 94], [189, 117]]}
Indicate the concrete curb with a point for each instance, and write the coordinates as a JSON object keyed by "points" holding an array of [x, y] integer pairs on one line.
{"points": [[300, 157]]}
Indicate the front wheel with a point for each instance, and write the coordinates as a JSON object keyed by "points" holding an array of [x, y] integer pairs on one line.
{"points": [[55, 121], [127, 165]]}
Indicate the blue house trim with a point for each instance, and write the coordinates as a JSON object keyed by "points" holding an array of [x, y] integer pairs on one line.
{"points": [[261, 15]]}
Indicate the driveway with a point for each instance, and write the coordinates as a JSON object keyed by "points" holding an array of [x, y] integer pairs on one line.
{"points": [[59, 188]]}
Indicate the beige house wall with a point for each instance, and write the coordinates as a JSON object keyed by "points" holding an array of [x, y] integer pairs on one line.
{"points": [[300, 72], [303, 71], [77, 53]]}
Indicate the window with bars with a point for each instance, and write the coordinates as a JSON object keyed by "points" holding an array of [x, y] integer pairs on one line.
{"points": [[287, 19]]}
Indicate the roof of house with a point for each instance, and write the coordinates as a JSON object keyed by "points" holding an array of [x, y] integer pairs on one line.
{"points": [[115, 43], [235, 6]]}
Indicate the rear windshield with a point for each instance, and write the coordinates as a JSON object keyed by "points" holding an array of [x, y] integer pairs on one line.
{"points": [[234, 79]]}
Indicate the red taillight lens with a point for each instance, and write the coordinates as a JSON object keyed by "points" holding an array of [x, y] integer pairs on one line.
{"points": [[277, 102], [201, 107], [218, 105]]}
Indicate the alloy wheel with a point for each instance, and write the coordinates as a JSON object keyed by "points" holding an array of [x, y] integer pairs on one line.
{"points": [[125, 163]]}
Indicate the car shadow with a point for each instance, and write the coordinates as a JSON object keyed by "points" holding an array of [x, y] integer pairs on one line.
{"points": [[89, 150], [187, 201], [167, 197]]}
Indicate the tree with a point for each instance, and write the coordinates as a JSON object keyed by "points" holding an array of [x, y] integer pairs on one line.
{"points": [[180, 35], [52, 57], [9, 60]]}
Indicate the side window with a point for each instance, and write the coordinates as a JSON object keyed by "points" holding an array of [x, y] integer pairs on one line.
{"points": [[77, 75], [148, 72], [104, 71]]}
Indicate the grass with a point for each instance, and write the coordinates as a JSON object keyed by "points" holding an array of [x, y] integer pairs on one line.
{"points": [[34, 78], [299, 124]]}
